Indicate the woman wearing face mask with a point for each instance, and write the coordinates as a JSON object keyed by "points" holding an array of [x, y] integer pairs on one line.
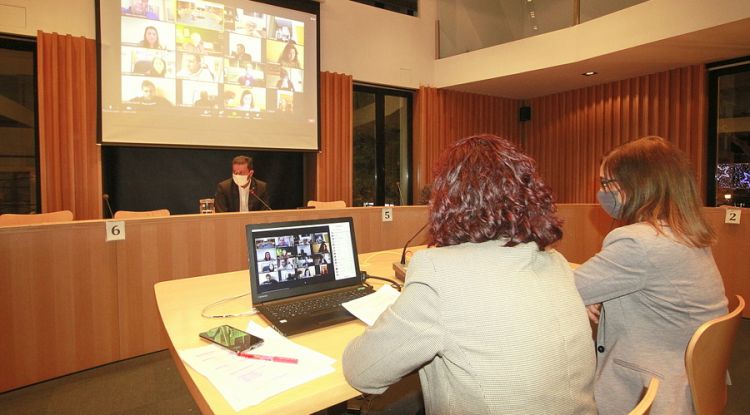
{"points": [[655, 277]]}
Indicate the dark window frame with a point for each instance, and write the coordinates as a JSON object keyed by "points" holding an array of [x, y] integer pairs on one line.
{"points": [[29, 44], [380, 92], [715, 71]]}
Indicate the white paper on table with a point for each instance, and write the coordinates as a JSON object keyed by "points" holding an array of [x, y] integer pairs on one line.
{"points": [[246, 382], [274, 344], [370, 307]]}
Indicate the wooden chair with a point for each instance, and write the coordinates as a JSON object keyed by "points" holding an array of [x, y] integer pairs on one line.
{"points": [[10, 219], [644, 406], [129, 214], [707, 360], [338, 204]]}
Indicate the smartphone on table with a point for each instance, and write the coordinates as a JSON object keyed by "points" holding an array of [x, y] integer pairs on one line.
{"points": [[232, 338]]}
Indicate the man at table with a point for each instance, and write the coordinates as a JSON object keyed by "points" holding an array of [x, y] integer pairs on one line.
{"points": [[242, 192]]}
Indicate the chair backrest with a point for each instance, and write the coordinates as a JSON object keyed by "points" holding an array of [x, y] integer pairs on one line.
{"points": [[707, 359], [10, 219], [644, 406], [338, 204], [129, 214]]}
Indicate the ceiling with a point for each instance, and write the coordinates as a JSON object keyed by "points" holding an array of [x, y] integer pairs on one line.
{"points": [[709, 45]]}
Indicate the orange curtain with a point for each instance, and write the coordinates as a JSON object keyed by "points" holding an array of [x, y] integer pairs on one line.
{"points": [[444, 116], [70, 159], [570, 132], [333, 164]]}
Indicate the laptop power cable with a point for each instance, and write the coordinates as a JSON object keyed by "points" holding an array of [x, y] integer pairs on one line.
{"points": [[394, 284]]}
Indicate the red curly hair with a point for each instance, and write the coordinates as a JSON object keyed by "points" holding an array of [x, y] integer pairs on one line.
{"points": [[484, 189]]}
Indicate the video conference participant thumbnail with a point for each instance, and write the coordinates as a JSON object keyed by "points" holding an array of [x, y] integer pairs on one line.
{"points": [[198, 40], [198, 67], [148, 92], [203, 14], [147, 62], [147, 33], [143, 8], [285, 54], [204, 95]]}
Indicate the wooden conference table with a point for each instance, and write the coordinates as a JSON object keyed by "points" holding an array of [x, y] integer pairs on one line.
{"points": [[180, 304]]}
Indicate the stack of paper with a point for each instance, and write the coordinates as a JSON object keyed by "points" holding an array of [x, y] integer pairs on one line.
{"points": [[245, 382], [370, 307]]}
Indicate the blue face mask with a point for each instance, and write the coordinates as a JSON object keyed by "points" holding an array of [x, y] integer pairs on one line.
{"points": [[610, 204]]}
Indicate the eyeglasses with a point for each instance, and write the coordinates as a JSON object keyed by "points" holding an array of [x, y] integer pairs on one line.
{"points": [[604, 182]]}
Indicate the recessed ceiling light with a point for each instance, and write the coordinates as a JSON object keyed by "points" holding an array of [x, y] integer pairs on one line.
{"points": [[589, 73]]}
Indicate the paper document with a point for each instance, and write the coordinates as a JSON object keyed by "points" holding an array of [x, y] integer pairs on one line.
{"points": [[247, 382], [370, 307], [274, 344]]}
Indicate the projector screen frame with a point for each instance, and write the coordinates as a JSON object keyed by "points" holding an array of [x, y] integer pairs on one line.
{"points": [[311, 7]]}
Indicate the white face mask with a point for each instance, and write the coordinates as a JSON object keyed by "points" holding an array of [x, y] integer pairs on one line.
{"points": [[240, 180], [609, 200]]}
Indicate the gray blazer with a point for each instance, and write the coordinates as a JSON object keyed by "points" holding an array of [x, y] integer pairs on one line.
{"points": [[491, 329], [655, 293]]}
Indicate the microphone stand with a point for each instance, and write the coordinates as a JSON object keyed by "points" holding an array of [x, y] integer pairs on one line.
{"points": [[252, 192], [106, 201], [400, 267]]}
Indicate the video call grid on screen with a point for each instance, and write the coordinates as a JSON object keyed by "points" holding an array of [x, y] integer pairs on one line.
{"points": [[213, 73], [301, 256]]}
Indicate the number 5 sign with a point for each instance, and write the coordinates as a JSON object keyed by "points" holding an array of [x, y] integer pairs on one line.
{"points": [[115, 230]]}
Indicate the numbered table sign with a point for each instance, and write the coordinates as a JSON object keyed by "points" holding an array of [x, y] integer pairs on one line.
{"points": [[733, 216], [115, 230], [387, 214]]}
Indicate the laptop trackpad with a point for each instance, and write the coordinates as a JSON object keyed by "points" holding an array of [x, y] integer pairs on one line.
{"points": [[329, 317]]}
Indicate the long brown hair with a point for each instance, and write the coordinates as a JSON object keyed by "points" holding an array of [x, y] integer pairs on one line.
{"points": [[485, 189], [659, 189]]}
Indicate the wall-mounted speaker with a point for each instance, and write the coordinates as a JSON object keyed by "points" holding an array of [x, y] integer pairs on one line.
{"points": [[524, 113]]}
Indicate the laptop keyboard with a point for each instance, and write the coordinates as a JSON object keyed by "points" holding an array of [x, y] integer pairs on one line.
{"points": [[316, 304]]}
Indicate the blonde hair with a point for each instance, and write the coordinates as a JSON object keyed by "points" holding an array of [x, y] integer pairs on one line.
{"points": [[659, 189]]}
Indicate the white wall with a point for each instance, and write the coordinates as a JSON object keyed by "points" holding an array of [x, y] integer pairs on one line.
{"points": [[638, 25], [382, 47], [373, 45], [25, 17], [378, 46]]}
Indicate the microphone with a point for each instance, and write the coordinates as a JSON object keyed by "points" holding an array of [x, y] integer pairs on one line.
{"points": [[106, 201], [403, 253], [252, 193], [400, 194], [400, 267]]}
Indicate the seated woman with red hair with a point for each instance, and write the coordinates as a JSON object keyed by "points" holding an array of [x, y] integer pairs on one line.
{"points": [[490, 317]]}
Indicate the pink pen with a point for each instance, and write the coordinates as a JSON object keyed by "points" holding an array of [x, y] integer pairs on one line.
{"points": [[277, 359]]}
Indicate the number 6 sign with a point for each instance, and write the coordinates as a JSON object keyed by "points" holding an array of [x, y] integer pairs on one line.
{"points": [[115, 230]]}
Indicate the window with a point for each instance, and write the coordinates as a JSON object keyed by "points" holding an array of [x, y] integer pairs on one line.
{"points": [[729, 135], [19, 170], [382, 146]]}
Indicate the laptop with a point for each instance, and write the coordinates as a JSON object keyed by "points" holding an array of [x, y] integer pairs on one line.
{"points": [[301, 272]]}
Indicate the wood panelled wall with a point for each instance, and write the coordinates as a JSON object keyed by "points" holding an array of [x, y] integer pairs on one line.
{"points": [[70, 160], [71, 301], [334, 161], [570, 132], [442, 116]]}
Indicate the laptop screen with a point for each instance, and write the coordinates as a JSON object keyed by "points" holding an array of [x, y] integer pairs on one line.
{"points": [[293, 258]]}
